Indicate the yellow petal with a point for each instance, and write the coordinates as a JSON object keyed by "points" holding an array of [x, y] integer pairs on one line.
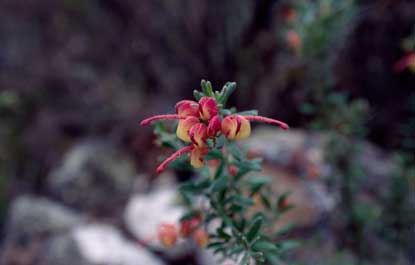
{"points": [[196, 157], [184, 126], [229, 126], [244, 130]]}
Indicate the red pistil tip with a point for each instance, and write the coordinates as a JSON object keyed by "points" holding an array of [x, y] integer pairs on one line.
{"points": [[268, 120], [162, 117], [173, 157]]}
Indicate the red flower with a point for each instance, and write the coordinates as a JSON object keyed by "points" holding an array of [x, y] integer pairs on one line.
{"points": [[199, 121], [201, 237], [208, 108], [187, 227], [238, 127]]}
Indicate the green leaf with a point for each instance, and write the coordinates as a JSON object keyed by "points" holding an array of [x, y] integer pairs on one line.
{"points": [[243, 201], [273, 259], [265, 246], [288, 245], [197, 95], [214, 154], [255, 228], [256, 182], [285, 230], [220, 183], [209, 89], [222, 234], [214, 244], [235, 250], [227, 90]]}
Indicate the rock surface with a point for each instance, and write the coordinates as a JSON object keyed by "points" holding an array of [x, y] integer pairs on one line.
{"points": [[96, 244], [295, 161], [31, 220], [95, 177], [145, 212], [33, 216], [303, 153]]}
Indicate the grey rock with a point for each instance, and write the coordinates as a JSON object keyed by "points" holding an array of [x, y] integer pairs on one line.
{"points": [[31, 220], [303, 152], [96, 244], [94, 176], [145, 212], [33, 216]]}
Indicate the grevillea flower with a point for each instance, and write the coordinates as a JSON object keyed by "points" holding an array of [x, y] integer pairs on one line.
{"points": [[208, 108], [167, 235], [187, 108], [407, 61], [187, 227], [293, 40], [201, 237], [238, 127], [199, 121]]}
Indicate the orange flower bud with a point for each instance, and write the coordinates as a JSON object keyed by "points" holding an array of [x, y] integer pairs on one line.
{"points": [[196, 156], [184, 127], [187, 227], [293, 40], [198, 134], [208, 108], [201, 237], [214, 126], [236, 127], [167, 235], [187, 108]]}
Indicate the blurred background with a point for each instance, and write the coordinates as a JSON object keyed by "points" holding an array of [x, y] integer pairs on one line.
{"points": [[77, 178]]}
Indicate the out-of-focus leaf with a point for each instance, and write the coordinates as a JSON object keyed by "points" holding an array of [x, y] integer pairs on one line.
{"points": [[255, 228]]}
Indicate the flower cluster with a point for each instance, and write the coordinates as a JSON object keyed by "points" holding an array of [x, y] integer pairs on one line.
{"points": [[202, 120], [168, 234]]}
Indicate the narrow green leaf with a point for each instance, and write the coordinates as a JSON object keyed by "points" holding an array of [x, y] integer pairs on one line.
{"points": [[220, 183], [265, 246], [197, 95], [273, 259], [255, 228], [288, 245]]}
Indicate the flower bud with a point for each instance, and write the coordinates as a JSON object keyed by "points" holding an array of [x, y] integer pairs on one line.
{"points": [[283, 203], [196, 156], [214, 126], [187, 108], [208, 108], [184, 127], [198, 134], [293, 40], [187, 227], [201, 237], [289, 14], [236, 127], [167, 235], [233, 170]]}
